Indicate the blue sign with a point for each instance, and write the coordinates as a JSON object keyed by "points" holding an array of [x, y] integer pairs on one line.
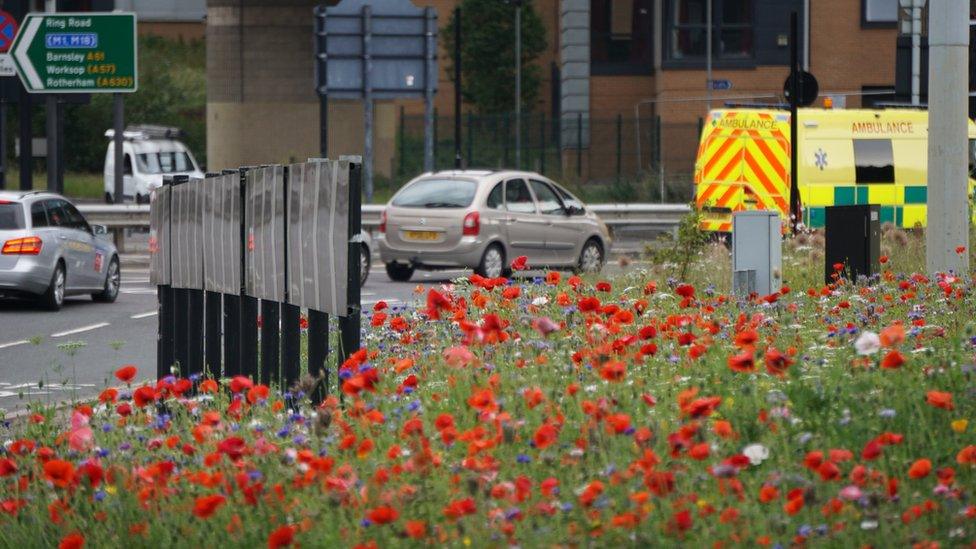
{"points": [[721, 84], [8, 30], [71, 40]]}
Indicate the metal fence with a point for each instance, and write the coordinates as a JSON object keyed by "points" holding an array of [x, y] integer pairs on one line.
{"points": [[618, 159], [257, 243]]}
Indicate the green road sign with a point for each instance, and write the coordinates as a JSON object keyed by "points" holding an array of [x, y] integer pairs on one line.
{"points": [[77, 53]]}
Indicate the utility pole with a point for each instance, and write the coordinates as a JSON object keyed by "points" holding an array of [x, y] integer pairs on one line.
{"points": [[51, 109], [948, 203], [708, 56], [518, 84]]}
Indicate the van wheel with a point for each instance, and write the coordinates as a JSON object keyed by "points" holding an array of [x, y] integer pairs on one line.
{"points": [[53, 298], [108, 198], [591, 258], [492, 262], [398, 272]]}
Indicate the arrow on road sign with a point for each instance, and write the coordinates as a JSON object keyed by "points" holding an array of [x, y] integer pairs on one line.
{"points": [[21, 44]]}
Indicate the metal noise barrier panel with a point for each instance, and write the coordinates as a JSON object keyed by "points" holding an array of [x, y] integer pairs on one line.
{"points": [[318, 235], [265, 233], [159, 236], [221, 234], [186, 209]]}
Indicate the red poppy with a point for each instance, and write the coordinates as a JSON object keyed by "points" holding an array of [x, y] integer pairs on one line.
{"points": [[520, 263], [768, 493], [234, 447], [892, 335], [459, 508], [682, 520], [240, 383], [545, 435], [940, 399], [205, 506], [382, 515], [613, 371], [686, 291], [742, 362], [960, 250], [126, 373], [59, 472], [72, 541], [777, 362], [415, 529], [920, 469], [967, 456], [892, 360], [144, 396], [281, 537]]}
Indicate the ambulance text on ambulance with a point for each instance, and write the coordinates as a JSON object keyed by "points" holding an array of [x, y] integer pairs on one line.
{"points": [[883, 127], [747, 123]]}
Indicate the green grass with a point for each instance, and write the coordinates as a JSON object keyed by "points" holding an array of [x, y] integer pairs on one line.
{"points": [[77, 185]]}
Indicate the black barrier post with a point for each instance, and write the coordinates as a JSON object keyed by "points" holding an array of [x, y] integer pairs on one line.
{"points": [[291, 314], [181, 315], [318, 350], [349, 325], [270, 340], [194, 332], [249, 305], [164, 293]]}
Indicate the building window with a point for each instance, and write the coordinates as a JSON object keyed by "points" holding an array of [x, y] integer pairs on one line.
{"points": [[620, 36], [879, 12], [732, 29]]}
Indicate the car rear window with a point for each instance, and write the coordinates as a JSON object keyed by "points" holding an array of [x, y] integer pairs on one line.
{"points": [[11, 216], [436, 193]]}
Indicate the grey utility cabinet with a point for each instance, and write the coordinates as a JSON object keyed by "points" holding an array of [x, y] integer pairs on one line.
{"points": [[757, 255]]}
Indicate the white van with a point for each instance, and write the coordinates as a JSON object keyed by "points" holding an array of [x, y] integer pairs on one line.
{"points": [[150, 152]]}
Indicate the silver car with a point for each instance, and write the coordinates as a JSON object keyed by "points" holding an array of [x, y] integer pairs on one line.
{"points": [[482, 220], [49, 251]]}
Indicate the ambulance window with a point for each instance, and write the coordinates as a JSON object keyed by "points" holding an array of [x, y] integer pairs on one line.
{"points": [[873, 161]]}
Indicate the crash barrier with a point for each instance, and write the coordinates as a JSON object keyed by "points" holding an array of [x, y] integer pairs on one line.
{"points": [[257, 243], [625, 221]]}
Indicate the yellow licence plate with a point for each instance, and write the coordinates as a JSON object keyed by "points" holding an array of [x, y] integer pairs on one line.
{"points": [[420, 235]]}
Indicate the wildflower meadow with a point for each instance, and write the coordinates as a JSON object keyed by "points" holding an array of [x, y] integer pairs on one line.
{"points": [[548, 411]]}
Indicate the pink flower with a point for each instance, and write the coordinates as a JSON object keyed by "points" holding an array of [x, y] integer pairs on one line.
{"points": [[81, 438], [544, 325], [851, 493], [458, 357]]}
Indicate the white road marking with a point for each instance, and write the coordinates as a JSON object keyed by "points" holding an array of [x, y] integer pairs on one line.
{"points": [[13, 343], [388, 301], [144, 315], [138, 290], [80, 330]]}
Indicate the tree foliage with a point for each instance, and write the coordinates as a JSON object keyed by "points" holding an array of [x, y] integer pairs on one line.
{"points": [[488, 54]]}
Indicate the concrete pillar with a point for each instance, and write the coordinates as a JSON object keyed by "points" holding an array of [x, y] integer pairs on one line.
{"points": [[261, 101], [948, 203]]}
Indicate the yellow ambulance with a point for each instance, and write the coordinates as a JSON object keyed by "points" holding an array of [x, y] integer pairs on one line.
{"points": [[847, 156]]}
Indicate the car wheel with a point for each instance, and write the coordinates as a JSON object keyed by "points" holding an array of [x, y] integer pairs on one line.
{"points": [[364, 263], [399, 272], [113, 279], [53, 298], [492, 262], [591, 257]]}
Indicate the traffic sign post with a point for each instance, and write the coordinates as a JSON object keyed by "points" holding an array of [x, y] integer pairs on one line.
{"points": [[77, 53]]}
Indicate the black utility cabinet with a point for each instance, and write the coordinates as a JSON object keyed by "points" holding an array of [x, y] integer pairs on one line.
{"points": [[853, 238]]}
